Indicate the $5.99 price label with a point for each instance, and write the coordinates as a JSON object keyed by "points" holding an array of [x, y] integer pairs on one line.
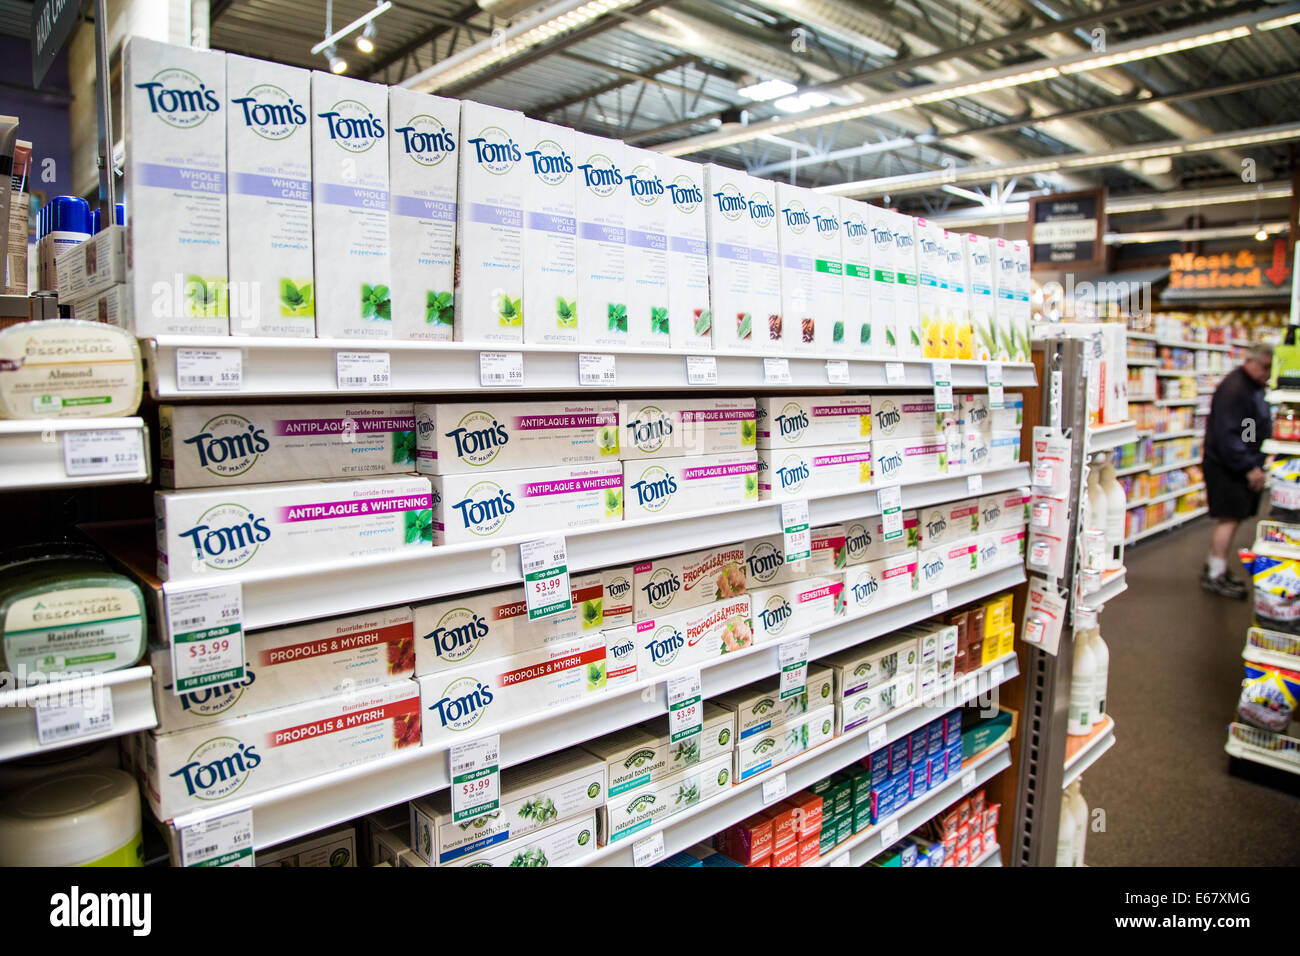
{"points": [[475, 778], [205, 627]]}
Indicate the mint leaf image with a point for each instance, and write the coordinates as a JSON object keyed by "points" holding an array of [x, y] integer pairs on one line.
{"points": [[837, 333], [744, 326], [510, 311], [404, 448], [592, 612], [438, 308], [289, 294], [916, 339], [703, 321], [566, 313], [865, 336], [617, 317], [659, 321], [889, 338]]}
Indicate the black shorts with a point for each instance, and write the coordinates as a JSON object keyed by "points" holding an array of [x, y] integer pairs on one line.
{"points": [[1229, 495]]}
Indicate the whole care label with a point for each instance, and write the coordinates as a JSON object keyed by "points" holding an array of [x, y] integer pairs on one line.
{"points": [[545, 564], [225, 840], [206, 632], [475, 778]]}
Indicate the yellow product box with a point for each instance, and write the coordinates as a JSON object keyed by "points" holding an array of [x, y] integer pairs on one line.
{"points": [[1007, 643], [997, 615]]}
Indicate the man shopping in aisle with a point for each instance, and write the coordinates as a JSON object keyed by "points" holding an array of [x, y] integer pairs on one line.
{"points": [[1233, 463]]}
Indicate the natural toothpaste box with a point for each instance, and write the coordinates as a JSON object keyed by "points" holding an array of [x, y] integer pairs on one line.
{"points": [[1002, 547], [671, 428], [461, 438], [268, 155], [797, 607], [647, 250], [880, 583], [289, 665], [646, 753], [866, 705], [780, 743], [688, 638], [759, 707], [909, 459], [474, 698], [948, 564], [422, 159], [855, 253], [765, 563], [491, 624], [864, 539], [831, 334], [619, 595], [872, 664], [550, 235], [350, 205], [1004, 449], [525, 501], [260, 527], [207, 445], [903, 416], [176, 178], [731, 273], [788, 421], [938, 331], [770, 327], [949, 521], [954, 247], [196, 769], [1009, 509], [683, 581], [785, 473], [534, 795], [906, 291], [634, 811], [690, 318], [1022, 315], [1006, 304], [795, 232], [669, 486], [885, 329], [603, 198], [491, 181], [978, 262], [566, 843], [977, 415]]}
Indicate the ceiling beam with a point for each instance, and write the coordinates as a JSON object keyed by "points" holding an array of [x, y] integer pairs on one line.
{"points": [[444, 25], [650, 76]]}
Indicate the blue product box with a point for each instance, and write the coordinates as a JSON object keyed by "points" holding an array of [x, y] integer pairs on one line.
{"points": [[952, 728], [680, 859], [898, 756], [717, 859], [878, 764], [953, 753], [938, 770], [882, 798], [920, 779], [936, 738], [909, 853], [918, 744]]}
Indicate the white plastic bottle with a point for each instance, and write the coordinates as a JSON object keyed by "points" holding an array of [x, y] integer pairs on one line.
{"points": [[1082, 682], [1068, 835], [1116, 505], [1074, 804], [1095, 518], [1101, 657]]}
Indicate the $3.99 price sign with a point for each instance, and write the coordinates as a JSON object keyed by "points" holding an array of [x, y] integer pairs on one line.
{"points": [[546, 576], [205, 627], [475, 778]]}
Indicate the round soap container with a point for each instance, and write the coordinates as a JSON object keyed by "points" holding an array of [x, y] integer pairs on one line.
{"points": [[68, 368], [24, 771], [83, 818]]}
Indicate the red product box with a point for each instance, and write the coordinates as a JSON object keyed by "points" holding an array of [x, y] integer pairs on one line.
{"points": [[787, 855], [809, 849], [963, 855], [949, 847], [950, 824], [991, 815], [947, 861], [976, 844], [990, 839], [977, 803], [747, 842], [963, 812], [784, 825], [963, 833], [808, 813]]}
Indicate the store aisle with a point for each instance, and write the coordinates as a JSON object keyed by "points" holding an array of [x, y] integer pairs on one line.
{"points": [[1175, 672]]}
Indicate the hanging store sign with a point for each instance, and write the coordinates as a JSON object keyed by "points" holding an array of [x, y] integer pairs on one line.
{"points": [[1066, 230]]}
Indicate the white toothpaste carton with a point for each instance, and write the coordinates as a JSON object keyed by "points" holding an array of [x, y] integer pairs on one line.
{"points": [[491, 181], [289, 665], [461, 438], [977, 449], [855, 251], [872, 664], [977, 415], [424, 137], [948, 564], [199, 768], [885, 329], [1004, 449], [765, 564], [672, 428], [687, 638], [620, 657], [932, 291], [475, 628], [669, 486], [350, 203], [337, 847], [632, 812], [648, 324], [785, 473], [715, 737], [867, 705], [525, 501], [864, 539], [259, 527], [732, 275], [958, 305], [883, 582], [1008, 509], [94, 266], [1002, 547], [796, 608], [903, 416], [112, 307], [175, 132], [779, 744], [1005, 301], [268, 155], [644, 754], [474, 698], [906, 291], [690, 317], [619, 592], [909, 459], [831, 334], [957, 456], [772, 333], [758, 708], [603, 198], [1022, 316], [534, 795], [550, 235], [978, 260], [794, 231], [804, 421], [206, 445], [562, 844], [683, 581], [949, 521]]}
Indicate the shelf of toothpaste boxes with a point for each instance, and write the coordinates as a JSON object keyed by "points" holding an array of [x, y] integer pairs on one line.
{"points": [[428, 227]]}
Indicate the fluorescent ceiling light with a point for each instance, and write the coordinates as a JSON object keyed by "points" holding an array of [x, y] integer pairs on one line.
{"points": [[1193, 235], [356, 24], [767, 90], [801, 103], [1196, 198], [1277, 24], [1155, 49]]}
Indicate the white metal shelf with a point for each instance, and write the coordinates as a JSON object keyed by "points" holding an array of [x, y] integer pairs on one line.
{"points": [[1090, 752], [1164, 497], [1173, 466], [1272, 648], [1276, 396], [689, 827], [1271, 446], [1198, 346], [865, 846], [1272, 750], [298, 367], [1103, 437], [32, 455], [1141, 399], [1178, 373], [991, 858], [1184, 433], [1113, 583], [1143, 336], [1173, 522], [308, 592], [1173, 402], [129, 691], [1131, 470], [1145, 362], [318, 802]]}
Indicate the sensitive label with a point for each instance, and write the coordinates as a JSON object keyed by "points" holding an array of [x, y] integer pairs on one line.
{"points": [[475, 778], [209, 370], [364, 370], [596, 369], [226, 840], [105, 451], [545, 565], [501, 369], [205, 628], [701, 370], [795, 529]]}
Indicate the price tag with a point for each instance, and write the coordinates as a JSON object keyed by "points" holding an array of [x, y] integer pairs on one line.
{"points": [[841, 860], [206, 632], [701, 370], [974, 484], [894, 374], [997, 674], [685, 710], [774, 789], [968, 781], [939, 601], [796, 530], [226, 840], [993, 375], [649, 851], [475, 778], [776, 371], [363, 370], [595, 369], [837, 372], [888, 834], [71, 716], [890, 500], [877, 737], [501, 369], [209, 370], [105, 451], [942, 373], [794, 667], [545, 565]]}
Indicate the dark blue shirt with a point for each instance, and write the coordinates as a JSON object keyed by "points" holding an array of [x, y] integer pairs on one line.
{"points": [[1237, 401]]}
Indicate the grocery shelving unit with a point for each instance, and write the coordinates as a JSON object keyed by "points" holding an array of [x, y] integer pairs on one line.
{"points": [[1104, 437], [1174, 522], [1088, 750], [1113, 584], [991, 858], [1279, 751], [35, 454], [129, 692], [1141, 502], [1271, 446], [1173, 466]]}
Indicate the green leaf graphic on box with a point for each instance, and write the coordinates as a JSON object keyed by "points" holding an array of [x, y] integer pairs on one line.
{"points": [[596, 674], [613, 501], [295, 299], [374, 302], [837, 333], [889, 338], [510, 311], [748, 432], [419, 526], [916, 339], [745, 326], [607, 440], [617, 317], [864, 336], [530, 857], [566, 313], [703, 321], [438, 308], [751, 486], [404, 448], [593, 613], [659, 321]]}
